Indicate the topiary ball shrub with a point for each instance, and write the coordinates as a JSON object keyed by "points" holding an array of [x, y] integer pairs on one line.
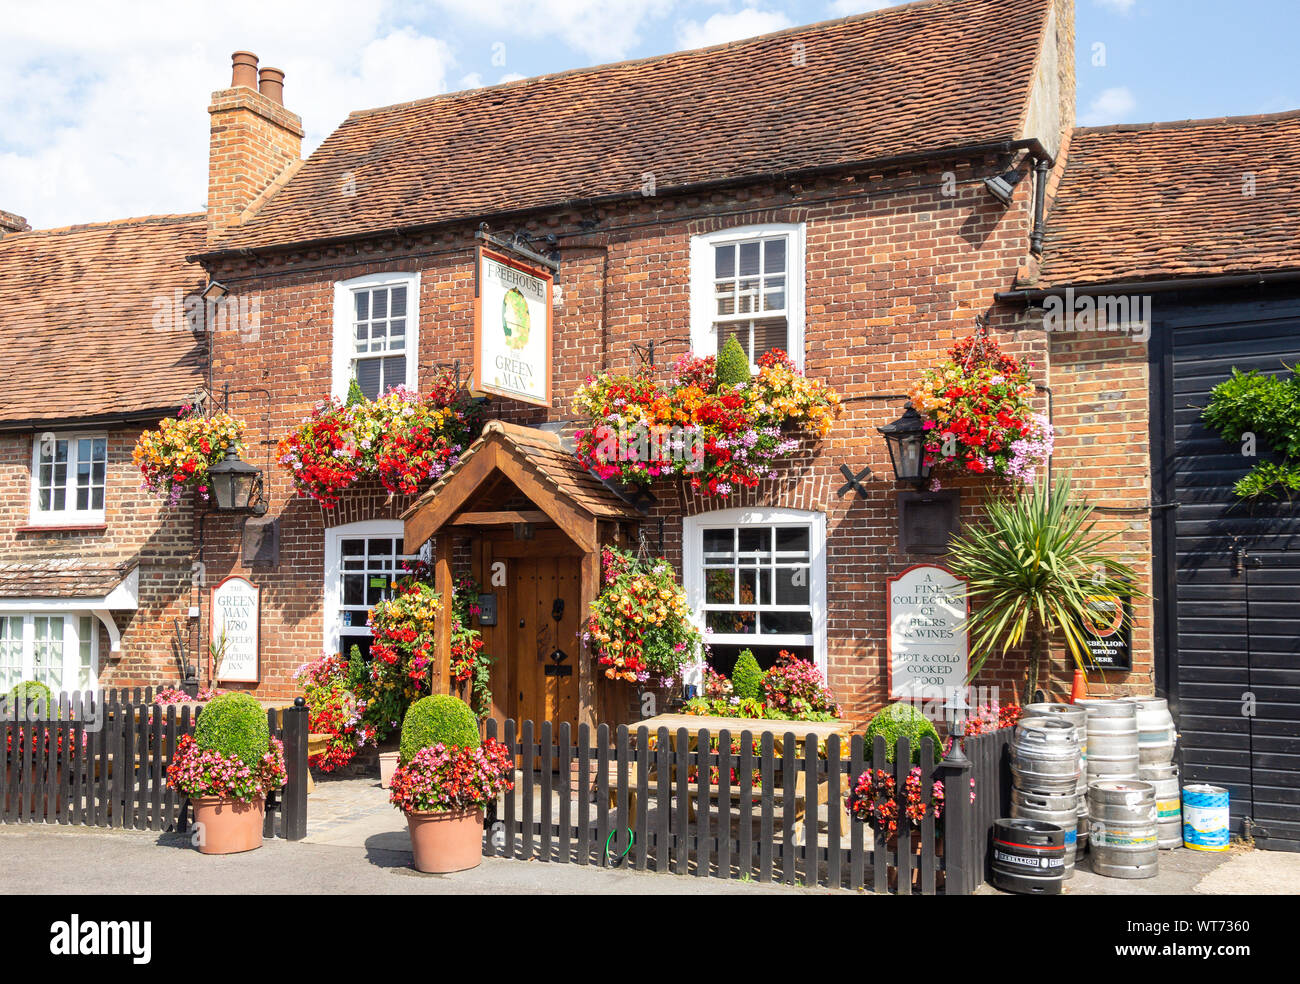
{"points": [[30, 690], [733, 364], [440, 719], [898, 721], [747, 677], [234, 724]]}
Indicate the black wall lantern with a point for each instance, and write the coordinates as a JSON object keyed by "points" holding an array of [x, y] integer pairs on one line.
{"points": [[237, 485], [905, 438]]}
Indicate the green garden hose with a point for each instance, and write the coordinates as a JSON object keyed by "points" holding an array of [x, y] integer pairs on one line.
{"points": [[631, 839]]}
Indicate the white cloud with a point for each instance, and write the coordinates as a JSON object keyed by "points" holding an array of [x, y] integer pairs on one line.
{"points": [[108, 119], [1119, 6], [1114, 105], [721, 28], [606, 30], [844, 8]]}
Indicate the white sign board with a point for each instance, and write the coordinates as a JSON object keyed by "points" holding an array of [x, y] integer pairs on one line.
{"points": [[235, 617], [929, 647], [512, 329]]}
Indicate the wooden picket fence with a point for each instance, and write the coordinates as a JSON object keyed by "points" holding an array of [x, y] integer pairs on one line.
{"points": [[100, 760], [630, 798]]}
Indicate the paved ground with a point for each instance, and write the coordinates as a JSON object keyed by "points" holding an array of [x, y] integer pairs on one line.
{"points": [[78, 860], [357, 844]]}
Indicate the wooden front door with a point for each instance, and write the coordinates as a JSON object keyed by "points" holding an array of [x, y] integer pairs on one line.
{"points": [[541, 588]]}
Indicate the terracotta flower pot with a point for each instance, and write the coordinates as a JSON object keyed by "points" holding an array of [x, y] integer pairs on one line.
{"points": [[387, 766], [229, 826], [446, 841]]}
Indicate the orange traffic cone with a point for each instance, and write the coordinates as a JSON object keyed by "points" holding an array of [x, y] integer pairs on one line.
{"points": [[1080, 687]]}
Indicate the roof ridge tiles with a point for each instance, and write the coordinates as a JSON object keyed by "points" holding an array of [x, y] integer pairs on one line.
{"points": [[162, 219]]}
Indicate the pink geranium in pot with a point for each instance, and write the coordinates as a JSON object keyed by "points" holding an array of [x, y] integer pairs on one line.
{"points": [[226, 768], [447, 776]]}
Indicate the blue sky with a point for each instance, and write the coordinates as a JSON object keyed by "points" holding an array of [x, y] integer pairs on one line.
{"points": [[104, 114]]}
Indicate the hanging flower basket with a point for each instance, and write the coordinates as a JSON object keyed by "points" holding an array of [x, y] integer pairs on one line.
{"points": [[640, 625], [720, 436], [403, 439], [179, 454], [979, 413]]}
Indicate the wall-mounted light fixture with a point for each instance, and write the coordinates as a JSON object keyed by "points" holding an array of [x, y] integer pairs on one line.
{"points": [[237, 485], [905, 438], [214, 291], [1003, 186]]}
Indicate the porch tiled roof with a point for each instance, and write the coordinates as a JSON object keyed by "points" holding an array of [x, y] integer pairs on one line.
{"points": [[553, 464], [1186, 199], [60, 579], [923, 77], [78, 324]]}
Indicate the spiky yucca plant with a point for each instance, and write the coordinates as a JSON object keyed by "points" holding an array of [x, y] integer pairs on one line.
{"points": [[1032, 566]]}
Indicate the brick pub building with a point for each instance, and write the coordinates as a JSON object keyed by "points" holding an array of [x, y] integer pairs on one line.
{"points": [[851, 156]]}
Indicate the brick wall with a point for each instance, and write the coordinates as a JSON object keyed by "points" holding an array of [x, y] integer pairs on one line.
{"points": [[895, 271], [137, 530]]}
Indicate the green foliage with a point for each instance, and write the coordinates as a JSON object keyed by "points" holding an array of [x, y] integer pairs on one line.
{"points": [[1032, 566], [30, 690], [902, 721], [733, 364], [234, 724], [355, 396], [1268, 408], [747, 677], [358, 674], [439, 719]]}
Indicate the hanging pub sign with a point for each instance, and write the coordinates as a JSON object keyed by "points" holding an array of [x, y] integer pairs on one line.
{"points": [[929, 648], [235, 617], [1108, 631], [512, 328]]}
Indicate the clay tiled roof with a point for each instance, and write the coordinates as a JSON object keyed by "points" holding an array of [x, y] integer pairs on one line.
{"points": [[1166, 200], [78, 335], [553, 464], [920, 78], [60, 579]]}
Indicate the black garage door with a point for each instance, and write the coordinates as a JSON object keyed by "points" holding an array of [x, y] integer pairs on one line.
{"points": [[1228, 572]]}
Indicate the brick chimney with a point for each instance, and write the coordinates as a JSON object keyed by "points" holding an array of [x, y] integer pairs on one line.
{"points": [[254, 139], [10, 224]]}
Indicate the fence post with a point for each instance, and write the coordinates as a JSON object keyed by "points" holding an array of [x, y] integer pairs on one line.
{"points": [[958, 840], [294, 799]]}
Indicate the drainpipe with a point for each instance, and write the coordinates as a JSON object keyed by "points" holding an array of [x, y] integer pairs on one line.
{"points": [[1042, 167]]}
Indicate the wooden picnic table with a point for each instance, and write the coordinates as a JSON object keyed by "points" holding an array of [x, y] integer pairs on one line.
{"points": [[757, 727]]}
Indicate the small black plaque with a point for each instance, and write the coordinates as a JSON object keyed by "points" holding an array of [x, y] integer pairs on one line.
{"points": [[927, 520], [487, 609], [262, 543]]}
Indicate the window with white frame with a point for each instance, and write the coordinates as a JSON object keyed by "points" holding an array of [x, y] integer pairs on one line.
{"points": [[375, 333], [58, 649], [362, 562], [69, 478], [747, 283], [757, 580]]}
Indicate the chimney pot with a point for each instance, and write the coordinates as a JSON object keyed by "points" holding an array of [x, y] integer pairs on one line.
{"points": [[272, 85], [243, 70]]}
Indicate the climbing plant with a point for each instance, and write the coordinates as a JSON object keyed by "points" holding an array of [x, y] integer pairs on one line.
{"points": [[1253, 409]]}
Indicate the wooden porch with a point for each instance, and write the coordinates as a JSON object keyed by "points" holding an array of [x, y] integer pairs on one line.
{"points": [[527, 522]]}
